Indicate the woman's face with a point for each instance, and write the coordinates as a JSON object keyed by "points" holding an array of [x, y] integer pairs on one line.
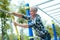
{"points": [[32, 12]]}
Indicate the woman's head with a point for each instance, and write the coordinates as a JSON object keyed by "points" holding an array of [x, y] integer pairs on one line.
{"points": [[33, 10]]}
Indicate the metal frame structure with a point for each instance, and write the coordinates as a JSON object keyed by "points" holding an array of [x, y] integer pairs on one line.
{"points": [[52, 15]]}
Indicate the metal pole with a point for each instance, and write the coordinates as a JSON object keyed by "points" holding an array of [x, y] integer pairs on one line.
{"points": [[30, 29], [54, 30]]}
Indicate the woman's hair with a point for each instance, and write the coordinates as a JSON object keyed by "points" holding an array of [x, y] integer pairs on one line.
{"points": [[34, 8]]}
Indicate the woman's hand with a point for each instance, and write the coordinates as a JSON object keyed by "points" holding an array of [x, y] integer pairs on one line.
{"points": [[16, 24]]}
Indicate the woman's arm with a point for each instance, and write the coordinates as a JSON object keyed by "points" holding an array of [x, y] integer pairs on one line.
{"points": [[21, 25], [25, 25], [21, 16], [17, 14]]}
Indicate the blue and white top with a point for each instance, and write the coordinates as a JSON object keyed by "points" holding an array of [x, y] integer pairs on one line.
{"points": [[37, 24]]}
